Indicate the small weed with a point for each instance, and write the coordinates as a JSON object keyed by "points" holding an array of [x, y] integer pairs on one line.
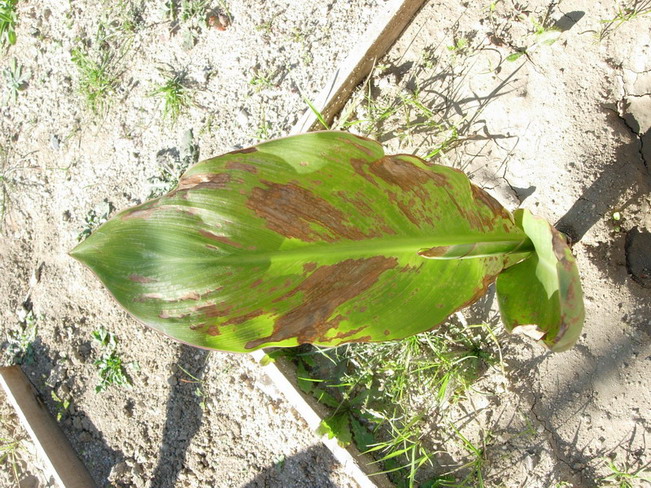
{"points": [[189, 17], [616, 221], [96, 217], [8, 20], [373, 387], [542, 35], [261, 80], [128, 15], [175, 94], [199, 390], [623, 14], [109, 366], [624, 476], [97, 82], [266, 28], [16, 78], [405, 441], [475, 465], [98, 62], [9, 454], [264, 127], [61, 405], [18, 345]]}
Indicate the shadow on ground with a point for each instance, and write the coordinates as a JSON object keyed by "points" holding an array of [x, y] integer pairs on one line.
{"points": [[300, 470], [183, 419]]}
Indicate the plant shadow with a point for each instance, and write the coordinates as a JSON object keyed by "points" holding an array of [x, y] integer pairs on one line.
{"points": [[300, 470], [183, 418], [86, 439]]}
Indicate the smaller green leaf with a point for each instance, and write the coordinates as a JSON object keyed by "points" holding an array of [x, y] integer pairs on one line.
{"points": [[338, 426], [303, 378], [363, 437], [324, 397], [541, 296], [515, 56]]}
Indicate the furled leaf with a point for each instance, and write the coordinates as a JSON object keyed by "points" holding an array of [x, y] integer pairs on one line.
{"points": [[317, 238], [542, 294]]}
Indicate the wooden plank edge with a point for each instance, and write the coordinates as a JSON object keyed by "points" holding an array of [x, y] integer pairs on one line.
{"points": [[358, 65], [356, 464], [53, 446]]}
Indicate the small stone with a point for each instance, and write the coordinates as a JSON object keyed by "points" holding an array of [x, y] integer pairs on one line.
{"points": [[172, 381], [242, 118], [85, 436], [55, 142], [529, 463], [118, 471]]}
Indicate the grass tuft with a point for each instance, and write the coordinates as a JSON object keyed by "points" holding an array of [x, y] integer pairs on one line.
{"points": [[8, 20], [175, 94]]}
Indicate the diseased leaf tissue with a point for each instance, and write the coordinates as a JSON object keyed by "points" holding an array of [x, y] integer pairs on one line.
{"points": [[322, 238]]}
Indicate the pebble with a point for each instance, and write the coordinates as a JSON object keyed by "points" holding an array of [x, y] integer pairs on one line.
{"points": [[172, 381], [55, 142], [242, 118], [529, 462], [118, 471], [85, 437]]}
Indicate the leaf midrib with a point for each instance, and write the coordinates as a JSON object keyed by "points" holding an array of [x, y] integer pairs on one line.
{"points": [[360, 249]]}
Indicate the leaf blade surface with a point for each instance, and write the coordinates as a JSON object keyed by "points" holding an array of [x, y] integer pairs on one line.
{"points": [[312, 238]]}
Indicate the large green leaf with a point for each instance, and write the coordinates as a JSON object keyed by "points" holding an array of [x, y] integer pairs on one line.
{"points": [[316, 238], [542, 295]]}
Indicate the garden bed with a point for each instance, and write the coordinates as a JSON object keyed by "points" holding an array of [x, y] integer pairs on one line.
{"points": [[541, 103]]}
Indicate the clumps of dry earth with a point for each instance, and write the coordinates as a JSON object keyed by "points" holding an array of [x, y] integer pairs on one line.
{"points": [[543, 103]]}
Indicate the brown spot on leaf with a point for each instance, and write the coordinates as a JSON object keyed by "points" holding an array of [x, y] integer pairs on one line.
{"points": [[221, 239], [210, 181], [191, 295], [147, 297], [136, 278], [406, 175], [309, 267], [238, 166], [240, 319], [213, 330], [214, 310], [247, 150], [322, 293], [139, 213], [293, 211]]}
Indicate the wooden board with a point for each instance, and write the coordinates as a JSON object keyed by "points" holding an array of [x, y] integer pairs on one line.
{"points": [[384, 31], [355, 464], [53, 446]]}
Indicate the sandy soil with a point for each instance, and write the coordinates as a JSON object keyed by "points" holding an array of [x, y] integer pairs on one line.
{"points": [[559, 130]]}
